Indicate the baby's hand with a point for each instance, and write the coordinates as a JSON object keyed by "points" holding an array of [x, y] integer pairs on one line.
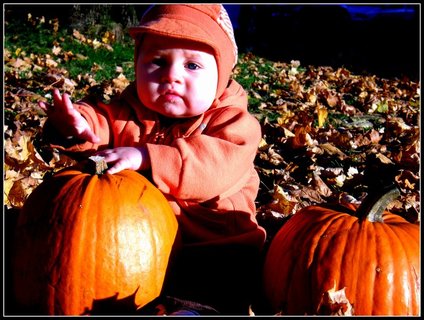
{"points": [[66, 119], [125, 158]]}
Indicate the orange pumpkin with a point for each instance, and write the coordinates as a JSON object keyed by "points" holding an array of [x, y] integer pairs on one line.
{"points": [[83, 239], [370, 262]]}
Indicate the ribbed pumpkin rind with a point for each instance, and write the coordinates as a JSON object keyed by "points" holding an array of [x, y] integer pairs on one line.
{"points": [[319, 249], [83, 237]]}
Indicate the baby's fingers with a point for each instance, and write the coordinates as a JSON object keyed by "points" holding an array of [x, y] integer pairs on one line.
{"points": [[89, 135], [117, 167], [44, 106], [62, 102]]}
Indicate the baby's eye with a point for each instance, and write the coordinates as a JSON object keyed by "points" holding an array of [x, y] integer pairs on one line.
{"points": [[192, 66], [159, 62]]}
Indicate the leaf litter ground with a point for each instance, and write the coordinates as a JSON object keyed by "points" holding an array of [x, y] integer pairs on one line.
{"points": [[329, 136]]}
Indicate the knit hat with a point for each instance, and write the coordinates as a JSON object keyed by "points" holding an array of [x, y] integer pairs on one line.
{"points": [[205, 23]]}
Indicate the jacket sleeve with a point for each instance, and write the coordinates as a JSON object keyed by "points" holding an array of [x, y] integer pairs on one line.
{"points": [[206, 166], [98, 117]]}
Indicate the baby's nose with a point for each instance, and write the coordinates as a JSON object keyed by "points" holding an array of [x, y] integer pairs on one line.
{"points": [[173, 73]]}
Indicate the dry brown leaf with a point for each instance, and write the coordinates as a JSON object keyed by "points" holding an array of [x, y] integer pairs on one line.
{"points": [[77, 35], [320, 185], [383, 158], [18, 148], [335, 303], [290, 97], [121, 82], [302, 138], [333, 100], [283, 203], [311, 194], [332, 150], [374, 136]]}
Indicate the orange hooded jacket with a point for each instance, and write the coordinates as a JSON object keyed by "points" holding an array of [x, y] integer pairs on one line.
{"points": [[203, 165]]}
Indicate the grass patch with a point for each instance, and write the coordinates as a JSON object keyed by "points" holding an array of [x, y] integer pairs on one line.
{"points": [[99, 56]]}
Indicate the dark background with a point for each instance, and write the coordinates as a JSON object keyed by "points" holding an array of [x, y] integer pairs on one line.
{"points": [[381, 39]]}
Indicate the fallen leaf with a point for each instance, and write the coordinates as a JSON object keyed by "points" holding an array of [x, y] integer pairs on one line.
{"points": [[335, 303]]}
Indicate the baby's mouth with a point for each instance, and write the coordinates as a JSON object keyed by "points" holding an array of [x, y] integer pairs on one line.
{"points": [[171, 97]]}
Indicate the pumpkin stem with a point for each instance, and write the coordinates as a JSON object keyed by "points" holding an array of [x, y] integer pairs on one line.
{"points": [[374, 205], [100, 165]]}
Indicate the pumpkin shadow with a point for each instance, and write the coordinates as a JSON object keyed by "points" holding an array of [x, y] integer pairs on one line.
{"points": [[113, 306], [10, 217], [161, 305]]}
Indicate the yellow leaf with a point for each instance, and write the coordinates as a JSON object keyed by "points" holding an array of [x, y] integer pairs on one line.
{"points": [[15, 196], [322, 116], [263, 143], [7, 186], [312, 97], [285, 118], [106, 37]]}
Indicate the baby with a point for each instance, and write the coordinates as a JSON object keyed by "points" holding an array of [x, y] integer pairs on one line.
{"points": [[184, 124]]}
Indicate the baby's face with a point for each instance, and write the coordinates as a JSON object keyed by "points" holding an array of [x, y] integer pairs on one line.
{"points": [[176, 78]]}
